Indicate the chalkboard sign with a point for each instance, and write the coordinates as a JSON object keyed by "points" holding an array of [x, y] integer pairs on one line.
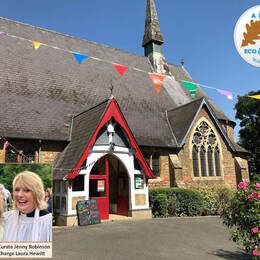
{"points": [[87, 212]]}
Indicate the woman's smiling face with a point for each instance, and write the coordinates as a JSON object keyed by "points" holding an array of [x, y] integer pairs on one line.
{"points": [[23, 198]]}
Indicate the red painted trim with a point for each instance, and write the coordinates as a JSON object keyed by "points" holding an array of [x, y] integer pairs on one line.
{"points": [[113, 111]]}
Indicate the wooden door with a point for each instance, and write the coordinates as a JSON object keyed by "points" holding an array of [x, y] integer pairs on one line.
{"points": [[99, 187]]}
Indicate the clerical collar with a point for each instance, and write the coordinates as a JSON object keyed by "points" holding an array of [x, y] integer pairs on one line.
{"points": [[29, 215]]}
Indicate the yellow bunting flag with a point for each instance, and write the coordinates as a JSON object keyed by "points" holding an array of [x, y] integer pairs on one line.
{"points": [[37, 45], [255, 96], [157, 80]]}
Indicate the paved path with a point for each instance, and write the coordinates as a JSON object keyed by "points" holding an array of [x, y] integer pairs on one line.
{"points": [[154, 239]]}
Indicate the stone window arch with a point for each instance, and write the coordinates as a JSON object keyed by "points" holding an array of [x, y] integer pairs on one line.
{"points": [[205, 152]]}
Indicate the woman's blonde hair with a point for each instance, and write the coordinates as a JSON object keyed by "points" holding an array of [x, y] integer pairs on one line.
{"points": [[32, 182]]}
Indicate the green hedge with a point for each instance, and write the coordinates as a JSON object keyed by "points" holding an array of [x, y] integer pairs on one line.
{"points": [[215, 198], [175, 202]]}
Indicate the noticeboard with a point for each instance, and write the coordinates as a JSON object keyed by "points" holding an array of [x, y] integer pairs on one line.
{"points": [[87, 212]]}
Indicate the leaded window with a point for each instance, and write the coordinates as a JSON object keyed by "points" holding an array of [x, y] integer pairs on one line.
{"points": [[210, 162], [217, 161], [195, 160], [205, 152], [203, 161], [155, 164]]}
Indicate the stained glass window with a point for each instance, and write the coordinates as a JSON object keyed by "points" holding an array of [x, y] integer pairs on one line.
{"points": [[205, 152]]}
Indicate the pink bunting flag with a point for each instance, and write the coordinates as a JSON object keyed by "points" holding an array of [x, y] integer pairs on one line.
{"points": [[121, 69], [157, 80], [6, 144], [226, 93]]}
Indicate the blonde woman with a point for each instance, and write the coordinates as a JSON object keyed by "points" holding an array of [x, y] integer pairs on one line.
{"points": [[30, 221]]}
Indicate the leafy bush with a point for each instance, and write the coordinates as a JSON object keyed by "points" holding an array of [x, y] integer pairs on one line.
{"points": [[178, 202], [243, 217], [215, 198], [160, 204]]}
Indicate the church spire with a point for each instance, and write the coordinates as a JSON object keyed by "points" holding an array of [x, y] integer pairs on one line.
{"points": [[152, 31], [153, 40]]}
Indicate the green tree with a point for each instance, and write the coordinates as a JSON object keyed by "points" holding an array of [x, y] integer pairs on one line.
{"points": [[248, 112], [8, 172]]}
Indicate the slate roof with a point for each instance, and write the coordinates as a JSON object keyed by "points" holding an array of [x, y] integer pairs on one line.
{"points": [[41, 90], [180, 124], [83, 127]]}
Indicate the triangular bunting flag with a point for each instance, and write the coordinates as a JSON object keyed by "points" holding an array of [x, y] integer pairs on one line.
{"points": [[121, 69], [37, 45], [226, 93], [6, 144], [79, 57], [157, 80], [191, 87], [255, 96]]}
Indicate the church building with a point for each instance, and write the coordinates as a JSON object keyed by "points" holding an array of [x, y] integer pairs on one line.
{"points": [[103, 122]]}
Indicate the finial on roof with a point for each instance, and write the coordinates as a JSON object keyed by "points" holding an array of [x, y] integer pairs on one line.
{"points": [[182, 61], [152, 31]]}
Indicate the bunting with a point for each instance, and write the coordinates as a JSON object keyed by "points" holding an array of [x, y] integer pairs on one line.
{"points": [[255, 96], [191, 87], [6, 144], [37, 45], [121, 69], [157, 80], [79, 57], [226, 93]]}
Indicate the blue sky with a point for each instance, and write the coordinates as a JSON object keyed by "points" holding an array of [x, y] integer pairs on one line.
{"points": [[199, 31]]}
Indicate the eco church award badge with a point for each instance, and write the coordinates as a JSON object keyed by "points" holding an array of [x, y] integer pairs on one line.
{"points": [[247, 36]]}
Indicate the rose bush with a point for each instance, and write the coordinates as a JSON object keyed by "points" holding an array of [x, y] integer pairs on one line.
{"points": [[242, 215]]}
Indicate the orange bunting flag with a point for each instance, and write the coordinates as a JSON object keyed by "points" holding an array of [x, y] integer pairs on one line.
{"points": [[121, 69], [157, 80], [37, 45]]}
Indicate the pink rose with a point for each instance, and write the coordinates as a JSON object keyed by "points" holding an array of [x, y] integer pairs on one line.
{"points": [[255, 252], [258, 195], [257, 185], [254, 193], [250, 196], [242, 185], [255, 230]]}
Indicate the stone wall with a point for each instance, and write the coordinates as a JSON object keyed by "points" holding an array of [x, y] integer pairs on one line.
{"points": [[227, 163], [176, 168]]}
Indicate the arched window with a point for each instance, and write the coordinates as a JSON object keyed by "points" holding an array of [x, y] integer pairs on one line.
{"points": [[217, 161], [155, 164], [210, 162], [195, 159], [203, 161], [205, 152]]}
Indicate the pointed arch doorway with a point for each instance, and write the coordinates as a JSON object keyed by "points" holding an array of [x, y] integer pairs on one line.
{"points": [[109, 186]]}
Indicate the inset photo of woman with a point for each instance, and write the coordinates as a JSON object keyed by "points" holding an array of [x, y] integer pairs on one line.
{"points": [[25, 202]]}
